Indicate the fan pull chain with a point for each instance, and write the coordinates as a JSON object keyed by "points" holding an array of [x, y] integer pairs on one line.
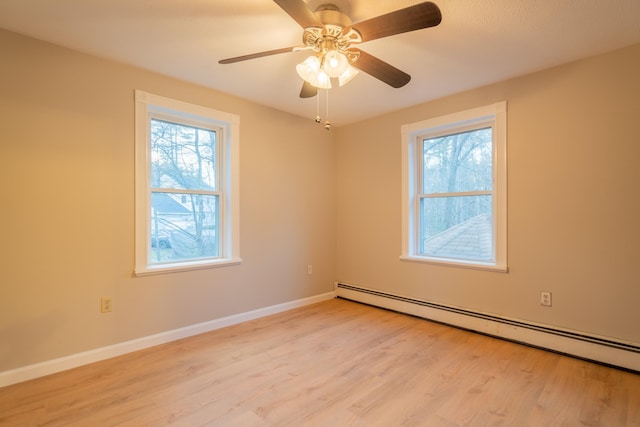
{"points": [[327, 124], [318, 119]]}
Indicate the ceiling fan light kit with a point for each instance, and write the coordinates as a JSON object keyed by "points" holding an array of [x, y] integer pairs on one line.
{"points": [[319, 70], [331, 36]]}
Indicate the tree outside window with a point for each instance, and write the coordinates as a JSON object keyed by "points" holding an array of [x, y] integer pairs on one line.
{"points": [[184, 208], [456, 200]]}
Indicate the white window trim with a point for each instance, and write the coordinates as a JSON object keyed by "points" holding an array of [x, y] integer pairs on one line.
{"points": [[410, 132], [146, 104]]}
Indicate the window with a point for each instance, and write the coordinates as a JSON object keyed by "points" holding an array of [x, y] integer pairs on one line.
{"points": [[186, 186], [454, 189]]}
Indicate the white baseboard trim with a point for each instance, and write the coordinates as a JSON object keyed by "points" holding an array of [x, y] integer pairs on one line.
{"points": [[48, 367], [599, 349]]}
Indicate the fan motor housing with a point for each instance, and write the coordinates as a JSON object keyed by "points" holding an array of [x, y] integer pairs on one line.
{"points": [[330, 14]]}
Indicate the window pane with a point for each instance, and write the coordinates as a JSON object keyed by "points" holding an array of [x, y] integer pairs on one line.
{"points": [[457, 227], [457, 162], [183, 227], [182, 156]]}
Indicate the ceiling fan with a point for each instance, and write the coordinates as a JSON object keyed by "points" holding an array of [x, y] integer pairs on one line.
{"points": [[331, 36]]}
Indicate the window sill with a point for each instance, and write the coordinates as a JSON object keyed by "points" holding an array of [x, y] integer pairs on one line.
{"points": [[186, 266], [456, 263]]}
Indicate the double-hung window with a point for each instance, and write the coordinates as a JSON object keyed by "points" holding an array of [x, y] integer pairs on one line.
{"points": [[186, 186], [454, 189]]}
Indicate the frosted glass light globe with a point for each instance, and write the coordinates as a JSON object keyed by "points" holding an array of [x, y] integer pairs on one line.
{"points": [[335, 63], [308, 69]]}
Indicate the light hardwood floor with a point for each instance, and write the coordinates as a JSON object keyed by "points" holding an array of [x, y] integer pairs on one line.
{"points": [[336, 363]]}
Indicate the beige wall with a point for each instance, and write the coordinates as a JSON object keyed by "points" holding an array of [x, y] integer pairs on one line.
{"points": [[573, 201], [67, 208], [66, 167]]}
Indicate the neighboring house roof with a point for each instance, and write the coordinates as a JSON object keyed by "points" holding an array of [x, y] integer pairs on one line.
{"points": [[164, 203], [470, 239]]}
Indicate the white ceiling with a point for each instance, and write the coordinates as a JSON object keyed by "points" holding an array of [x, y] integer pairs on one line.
{"points": [[478, 42]]}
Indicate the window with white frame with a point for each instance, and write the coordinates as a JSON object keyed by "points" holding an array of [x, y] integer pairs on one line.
{"points": [[186, 186], [455, 190]]}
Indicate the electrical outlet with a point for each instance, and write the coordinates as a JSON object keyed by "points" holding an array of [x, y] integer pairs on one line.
{"points": [[309, 269], [545, 299], [106, 305]]}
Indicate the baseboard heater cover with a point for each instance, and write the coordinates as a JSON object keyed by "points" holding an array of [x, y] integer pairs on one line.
{"points": [[603, 350]]}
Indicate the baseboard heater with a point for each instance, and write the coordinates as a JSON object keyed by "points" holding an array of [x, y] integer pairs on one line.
{"points": [[619, 354]]}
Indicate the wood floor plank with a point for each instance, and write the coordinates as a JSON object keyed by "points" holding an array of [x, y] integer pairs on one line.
{"points": [[336, 363]]}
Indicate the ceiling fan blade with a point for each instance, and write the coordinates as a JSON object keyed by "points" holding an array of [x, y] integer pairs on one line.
{"points": [[308, 90], [412, 18], [381, 70], [257, 55], [300, 12]]}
